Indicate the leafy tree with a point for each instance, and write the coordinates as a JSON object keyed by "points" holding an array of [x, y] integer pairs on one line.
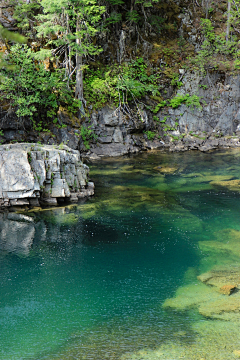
{"points": [[30, 89]]}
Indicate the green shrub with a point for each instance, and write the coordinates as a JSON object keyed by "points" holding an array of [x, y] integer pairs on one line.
{"points": [[30, 89], [87, 134], [150, 134]]}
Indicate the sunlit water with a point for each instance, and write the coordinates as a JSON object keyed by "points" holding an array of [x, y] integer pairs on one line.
{"points": [[88, 281]]}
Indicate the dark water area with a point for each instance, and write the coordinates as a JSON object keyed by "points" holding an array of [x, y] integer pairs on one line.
{"points": [[90, 281]]}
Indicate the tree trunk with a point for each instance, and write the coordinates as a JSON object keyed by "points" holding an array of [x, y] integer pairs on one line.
{"points": [[228, 20], [79, 77], [79, 73]]}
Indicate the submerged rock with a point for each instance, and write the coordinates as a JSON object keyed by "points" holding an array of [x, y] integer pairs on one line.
{"points": [[226, 280], [230, 184], [32, 172], [166, 169], [211, 295], [227, 243], [227, 289]]}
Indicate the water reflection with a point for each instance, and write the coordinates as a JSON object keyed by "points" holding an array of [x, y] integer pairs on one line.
{"points": [[16, 233]]}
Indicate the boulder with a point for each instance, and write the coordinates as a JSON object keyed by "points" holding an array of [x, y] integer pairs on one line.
{"points": [[41, 172]]}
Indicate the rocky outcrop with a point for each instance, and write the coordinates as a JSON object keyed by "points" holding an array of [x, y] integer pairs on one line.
{"points": [[31, 174], [214, 124], [119, 131]]}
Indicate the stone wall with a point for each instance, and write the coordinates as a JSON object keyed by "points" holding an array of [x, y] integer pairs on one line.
{"points": [[32, 174]]}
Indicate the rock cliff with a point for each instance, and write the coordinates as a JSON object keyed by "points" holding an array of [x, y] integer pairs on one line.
{"points": [[215, 123], [31, 174]]}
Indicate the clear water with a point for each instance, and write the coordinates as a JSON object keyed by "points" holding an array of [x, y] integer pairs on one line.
{"points": [[88, 281]]}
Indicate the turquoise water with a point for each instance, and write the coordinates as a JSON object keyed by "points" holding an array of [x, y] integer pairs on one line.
{"points": [[88, 281]]}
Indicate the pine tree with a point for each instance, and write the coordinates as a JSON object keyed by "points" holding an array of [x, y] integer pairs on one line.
{"points": [[70, 26]]}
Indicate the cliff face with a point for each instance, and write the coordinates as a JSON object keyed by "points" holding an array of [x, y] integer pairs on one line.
{"points": [[214, 123], [31, 173]]}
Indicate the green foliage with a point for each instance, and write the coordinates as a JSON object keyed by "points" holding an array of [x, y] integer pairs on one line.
{"points": [[175, 81], [115, 2], [213, 46], [157, 22], [150, 134], [29, 157], [159, 106], [113, 18], [70, 26], [116, 84], [30, 89], [179, 99], [71, 20], [237, 64], [133, 16], [25, 13], [8, 35], [187, 100], [87, 134], [205, 87]]}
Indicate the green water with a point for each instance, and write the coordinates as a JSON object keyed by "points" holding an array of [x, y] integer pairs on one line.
{"points": [[89, 281]]}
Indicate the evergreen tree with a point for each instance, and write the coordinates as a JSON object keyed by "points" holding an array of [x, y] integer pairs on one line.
{"points": [[70, 26]]}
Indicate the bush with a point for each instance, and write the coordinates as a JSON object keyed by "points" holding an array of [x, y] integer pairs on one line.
{"points": [[32, 91]]}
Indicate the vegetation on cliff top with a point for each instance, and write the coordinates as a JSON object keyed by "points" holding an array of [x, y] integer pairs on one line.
{"points": [[85, 54]]}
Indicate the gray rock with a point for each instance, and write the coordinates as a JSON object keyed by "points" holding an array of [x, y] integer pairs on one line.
{"points": [[108, 116], [30, 171], [105, 139], [118, 136], [58, 188], [16, 177]]}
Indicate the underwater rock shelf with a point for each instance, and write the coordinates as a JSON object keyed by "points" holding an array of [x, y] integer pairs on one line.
{"points": [[33, 174]]}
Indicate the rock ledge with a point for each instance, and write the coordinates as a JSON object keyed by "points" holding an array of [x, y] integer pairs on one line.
{"points": [[31, 174]]}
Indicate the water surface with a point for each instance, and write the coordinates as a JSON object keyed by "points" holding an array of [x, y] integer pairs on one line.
{"points": [[90, 281]]}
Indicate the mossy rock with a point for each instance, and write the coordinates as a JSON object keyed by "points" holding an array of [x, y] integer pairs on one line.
{"points": [[190, 296], [233, 185], [165, 169], [228, 243], [220, 277]]}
